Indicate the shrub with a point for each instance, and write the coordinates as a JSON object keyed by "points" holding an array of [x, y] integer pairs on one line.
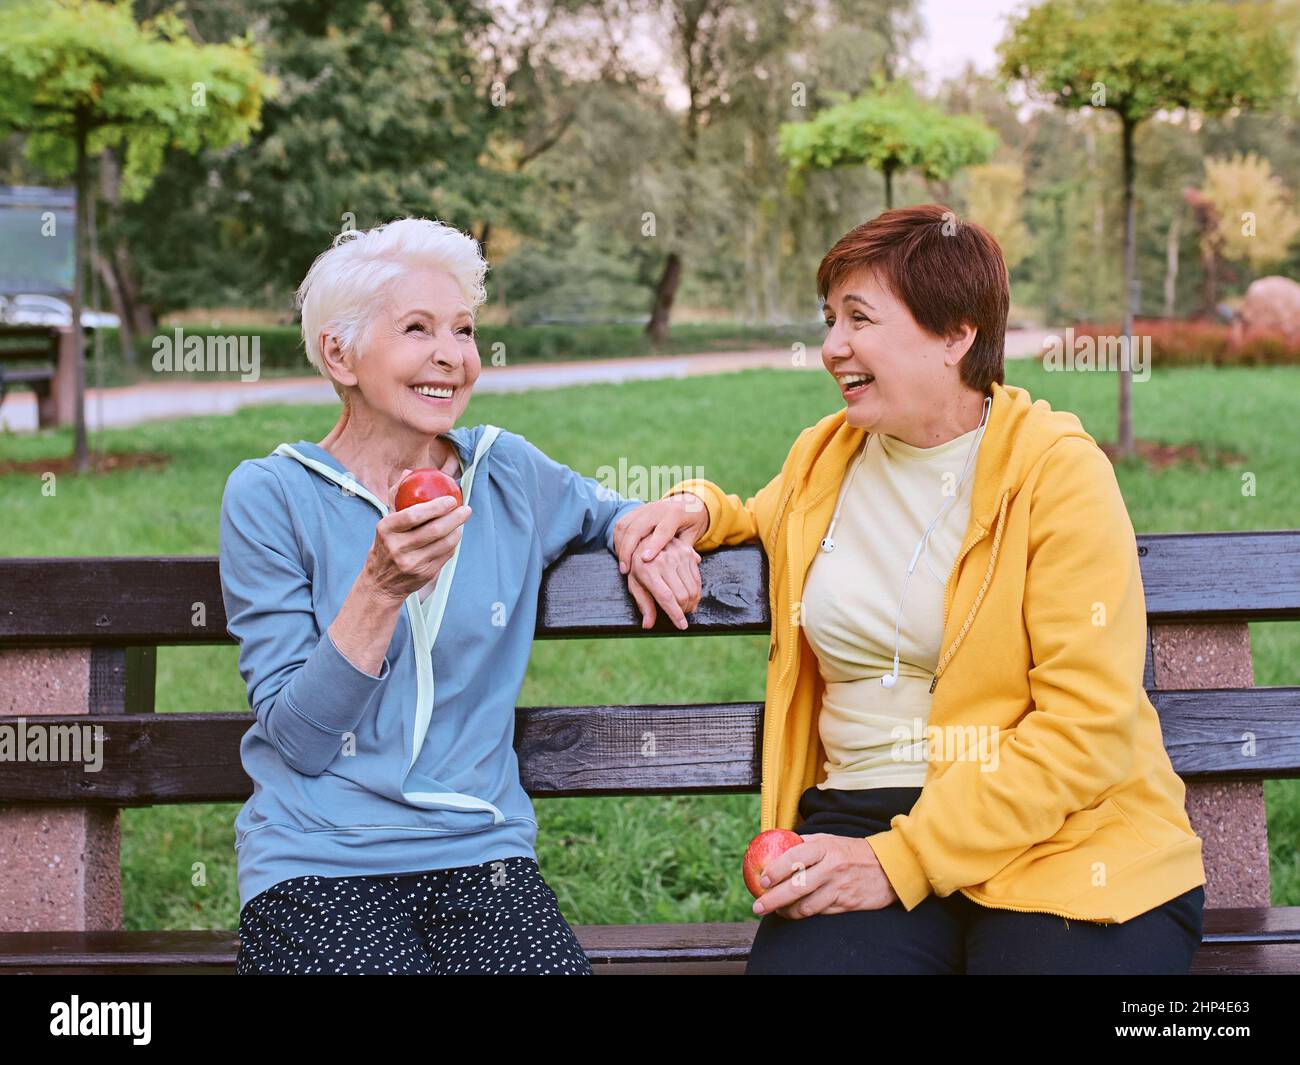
{"points": [[1202, 343]]}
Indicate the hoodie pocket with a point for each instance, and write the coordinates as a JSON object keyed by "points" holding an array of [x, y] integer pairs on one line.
{"points": [[333, 803], [1079, 858], [1083, 823], [1031, 864]]}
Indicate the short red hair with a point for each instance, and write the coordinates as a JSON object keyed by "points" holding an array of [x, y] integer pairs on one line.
{"points": [[945, 271]]}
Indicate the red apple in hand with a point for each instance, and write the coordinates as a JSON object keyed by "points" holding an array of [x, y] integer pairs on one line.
{"points": [[424, 484], [762, 851]]}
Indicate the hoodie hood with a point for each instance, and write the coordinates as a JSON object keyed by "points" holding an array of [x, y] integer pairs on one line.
{"points": [[464, 439], [1019, 433]]}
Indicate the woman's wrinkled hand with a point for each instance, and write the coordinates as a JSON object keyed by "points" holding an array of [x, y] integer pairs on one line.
{"points": [[651, 526], [825, 874], [411, 546], [672, 580]]}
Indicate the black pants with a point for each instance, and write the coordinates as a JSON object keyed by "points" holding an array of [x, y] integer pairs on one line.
{"points": [[955, 934], [498, 917]]}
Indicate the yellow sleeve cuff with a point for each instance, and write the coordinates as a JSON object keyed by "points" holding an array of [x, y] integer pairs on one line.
{"points": [[708, 492], [905, 873]]}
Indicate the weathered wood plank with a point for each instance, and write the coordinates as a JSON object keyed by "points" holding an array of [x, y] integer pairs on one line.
{"points": [[1232, 733], [177, 600], [583, 594], [1247, 576], [120, 601], [150, 759], [1237, 941], [628, 750]]}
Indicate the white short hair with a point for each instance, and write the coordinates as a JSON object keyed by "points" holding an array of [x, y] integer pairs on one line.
{"points": [[349, 280]]}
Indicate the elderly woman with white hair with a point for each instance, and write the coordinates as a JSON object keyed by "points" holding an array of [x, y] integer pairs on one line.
{"points": [[383, 649]]}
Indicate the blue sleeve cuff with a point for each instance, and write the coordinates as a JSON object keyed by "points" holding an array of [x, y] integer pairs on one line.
{"points": [[329, 691], [609, 532]]}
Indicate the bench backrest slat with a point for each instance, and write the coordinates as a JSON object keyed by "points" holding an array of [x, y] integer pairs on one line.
{"points": [[151, 600]]}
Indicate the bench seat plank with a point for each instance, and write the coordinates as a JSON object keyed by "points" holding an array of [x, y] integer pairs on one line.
{"points": [[1238, 941], [24, 377]]}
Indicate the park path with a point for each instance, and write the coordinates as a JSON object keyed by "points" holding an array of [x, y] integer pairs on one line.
{"points": [[151, 401]]}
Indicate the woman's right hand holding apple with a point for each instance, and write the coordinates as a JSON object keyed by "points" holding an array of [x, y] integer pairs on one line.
{"points": [[412, 545]]}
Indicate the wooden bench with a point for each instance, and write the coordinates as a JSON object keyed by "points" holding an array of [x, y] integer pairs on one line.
{"points": [[53, 377], [21, 344], [77, 647]]}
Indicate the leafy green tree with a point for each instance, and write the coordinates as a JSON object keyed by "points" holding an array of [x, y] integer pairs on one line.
{"points": [[79, 77], [698, 32], [736, 61], [1135, 60], [889, 130], [383, 111], [787, 65], [1256, 220], [584, 256], [994, 194]]}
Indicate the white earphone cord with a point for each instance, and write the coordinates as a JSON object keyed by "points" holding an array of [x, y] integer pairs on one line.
{"points": [[923, 545]]}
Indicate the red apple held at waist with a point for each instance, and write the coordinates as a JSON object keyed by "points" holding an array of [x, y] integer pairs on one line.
{"points": [[424, 484], [762, 851]]}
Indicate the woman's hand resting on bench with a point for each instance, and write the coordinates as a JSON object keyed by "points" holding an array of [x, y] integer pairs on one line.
{"points": [[652, 527], [672, 580]]}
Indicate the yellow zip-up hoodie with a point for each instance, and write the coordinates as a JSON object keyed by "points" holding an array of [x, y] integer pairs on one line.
{"points": [[1072, 807]]}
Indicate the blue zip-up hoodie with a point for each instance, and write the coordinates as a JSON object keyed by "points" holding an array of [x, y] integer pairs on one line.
{"points": [[415, 768]]}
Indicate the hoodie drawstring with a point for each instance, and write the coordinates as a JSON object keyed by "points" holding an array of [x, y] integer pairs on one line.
{"points": [[979, 598]]}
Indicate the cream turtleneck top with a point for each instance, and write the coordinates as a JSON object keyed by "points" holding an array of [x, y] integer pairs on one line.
{"points": [[875, 736]]}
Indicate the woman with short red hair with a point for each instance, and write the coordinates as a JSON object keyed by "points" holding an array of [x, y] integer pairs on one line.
{"points": [[955, 719]]}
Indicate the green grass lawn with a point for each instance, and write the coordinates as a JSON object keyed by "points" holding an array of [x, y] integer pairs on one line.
{"points": [[634, 859]]}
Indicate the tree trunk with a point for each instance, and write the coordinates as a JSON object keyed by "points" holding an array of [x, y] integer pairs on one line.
{"points": [[890, 52], [889, 188], [139, 316], [102, 263], [756, 289], [1171, 264], [1126, 448], [1099, 269], [1210, 271], [142, 314], [665, 293], [125, 333], [1055, 301], [78, 296]]}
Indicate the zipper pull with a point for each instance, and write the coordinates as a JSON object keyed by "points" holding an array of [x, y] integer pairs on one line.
{"points": [[933, 683], [771, 650]]}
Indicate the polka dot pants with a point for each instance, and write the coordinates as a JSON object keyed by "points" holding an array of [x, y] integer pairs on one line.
{"points": [[498, 917]]}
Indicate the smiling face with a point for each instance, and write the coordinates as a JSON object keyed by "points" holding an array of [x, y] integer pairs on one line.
{"points": [[420, 359], [894, 376]]}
